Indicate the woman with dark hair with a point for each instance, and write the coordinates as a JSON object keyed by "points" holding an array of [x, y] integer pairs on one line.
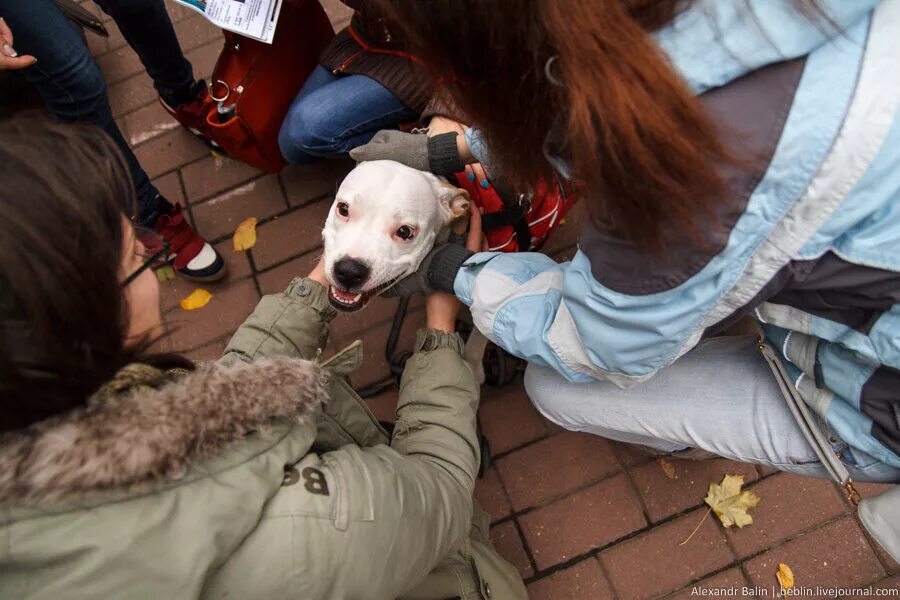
{"points": [[739, 158], [129, 474]]}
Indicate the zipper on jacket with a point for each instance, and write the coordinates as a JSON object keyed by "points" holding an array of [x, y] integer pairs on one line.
{"points": [[347, 62], [829, 454]]}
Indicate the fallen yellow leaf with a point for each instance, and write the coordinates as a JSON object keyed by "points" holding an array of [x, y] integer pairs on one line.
{"points": [[165, 273], [785, 576], [667, 467], [198, 299], [245, 235], [729, 503]]}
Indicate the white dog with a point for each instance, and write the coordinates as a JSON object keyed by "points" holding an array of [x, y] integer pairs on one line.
{"points": [[384, 221]]}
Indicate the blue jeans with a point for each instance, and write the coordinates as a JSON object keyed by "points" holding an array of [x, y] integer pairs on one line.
{"points": [[332, 115], [720, 396], [71, 82]]}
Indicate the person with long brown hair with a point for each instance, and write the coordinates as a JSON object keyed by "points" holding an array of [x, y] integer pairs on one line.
{"points": [[129, 474], [740, 158]]}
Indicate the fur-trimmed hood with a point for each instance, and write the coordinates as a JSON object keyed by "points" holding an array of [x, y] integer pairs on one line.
{"points": [[143, 426]]}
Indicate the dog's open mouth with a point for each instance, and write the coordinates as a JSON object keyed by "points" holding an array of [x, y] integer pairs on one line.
{"points": [[348, 301], [353, 301]]}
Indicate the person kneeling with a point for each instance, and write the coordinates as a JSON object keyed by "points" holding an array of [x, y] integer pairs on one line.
{"points": [[263, 475]]}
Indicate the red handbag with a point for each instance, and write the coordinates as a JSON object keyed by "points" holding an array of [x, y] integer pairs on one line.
{"points": [[254, 83]]}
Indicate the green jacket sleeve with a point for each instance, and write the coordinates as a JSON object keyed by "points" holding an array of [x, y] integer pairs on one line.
{"points": [[291, 324], [420, 488], [437, 407], [418, 491], [369, 522], [372, 522]]}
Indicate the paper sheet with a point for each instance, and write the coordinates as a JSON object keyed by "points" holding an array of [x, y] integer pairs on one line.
{"points": [[253, 18]]}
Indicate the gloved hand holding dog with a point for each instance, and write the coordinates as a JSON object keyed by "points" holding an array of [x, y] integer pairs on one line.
{"points": [[438, 154], [443, 151]]}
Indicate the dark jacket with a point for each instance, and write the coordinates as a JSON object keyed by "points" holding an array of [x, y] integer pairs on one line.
{"points": [[366, 47]]}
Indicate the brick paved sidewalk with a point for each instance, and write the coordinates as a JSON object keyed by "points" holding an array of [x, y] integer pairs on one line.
{"points": [[581, 517]]}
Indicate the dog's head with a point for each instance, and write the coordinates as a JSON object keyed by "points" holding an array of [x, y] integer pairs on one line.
{"points": [[385, 219]]}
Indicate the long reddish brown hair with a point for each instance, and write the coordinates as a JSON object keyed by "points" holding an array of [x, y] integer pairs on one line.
{"points": [[633, 131]]}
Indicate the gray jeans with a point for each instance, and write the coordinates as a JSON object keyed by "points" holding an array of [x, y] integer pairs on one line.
{"points": [[720, 397]]}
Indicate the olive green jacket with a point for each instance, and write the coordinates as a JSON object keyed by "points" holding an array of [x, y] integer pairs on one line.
{"points": [[261, 476]]}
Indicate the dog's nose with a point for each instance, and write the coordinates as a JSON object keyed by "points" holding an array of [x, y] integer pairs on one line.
{"points": [[350, 273]]}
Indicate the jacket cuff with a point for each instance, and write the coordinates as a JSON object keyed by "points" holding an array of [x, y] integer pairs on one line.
{"points": [[432, 339], [445, 265], [443, 157], [313, 294]]}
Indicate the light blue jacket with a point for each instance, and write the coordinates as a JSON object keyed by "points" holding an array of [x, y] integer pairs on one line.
{"points": [[829, 201]]}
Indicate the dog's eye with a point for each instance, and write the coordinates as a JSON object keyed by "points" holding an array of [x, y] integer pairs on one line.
{"points": [[405, 232], [343, 209]]}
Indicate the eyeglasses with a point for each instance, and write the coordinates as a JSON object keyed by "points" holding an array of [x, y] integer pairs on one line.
{"points": [[154, 250]]}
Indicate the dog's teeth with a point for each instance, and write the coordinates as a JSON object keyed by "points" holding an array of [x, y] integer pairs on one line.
{"points": [[356, 298]]}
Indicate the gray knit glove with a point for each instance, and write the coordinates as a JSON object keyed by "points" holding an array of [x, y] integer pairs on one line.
{"points": [[436, 273], [437, 154]]}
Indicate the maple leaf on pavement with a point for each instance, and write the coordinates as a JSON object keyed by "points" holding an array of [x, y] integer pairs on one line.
{"points": [[730, 503]]}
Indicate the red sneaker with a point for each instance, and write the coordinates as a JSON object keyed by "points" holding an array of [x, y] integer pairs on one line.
{"points": [[189, 254], [191, 115]]}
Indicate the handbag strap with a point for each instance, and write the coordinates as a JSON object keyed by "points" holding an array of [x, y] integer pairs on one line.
{"points": [[82, 17], [807, 422]]}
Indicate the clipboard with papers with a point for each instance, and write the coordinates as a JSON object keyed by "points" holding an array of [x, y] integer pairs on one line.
{"points": [[252, 18]]}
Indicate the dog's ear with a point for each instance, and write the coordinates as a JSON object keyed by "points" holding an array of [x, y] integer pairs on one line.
{"points": [[454, 201]]}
